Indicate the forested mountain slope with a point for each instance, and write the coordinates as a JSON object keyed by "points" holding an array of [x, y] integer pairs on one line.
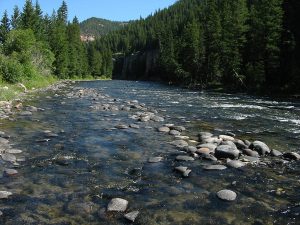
{"points": [[238, 44], [98, 27]]}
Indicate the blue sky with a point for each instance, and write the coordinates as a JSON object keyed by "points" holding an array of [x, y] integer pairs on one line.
{"points": [[119, 10]]}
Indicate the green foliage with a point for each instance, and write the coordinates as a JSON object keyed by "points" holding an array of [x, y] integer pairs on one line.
{"points": [[11, 71], [4, 28]]}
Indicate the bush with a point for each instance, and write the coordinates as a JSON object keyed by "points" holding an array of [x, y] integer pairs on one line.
{"points": [[11, 71]]}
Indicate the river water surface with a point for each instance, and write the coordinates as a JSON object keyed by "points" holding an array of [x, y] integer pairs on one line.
{"points": [[71, 178]]}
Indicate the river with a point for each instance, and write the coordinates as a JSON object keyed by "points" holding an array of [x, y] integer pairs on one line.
{"points": [[74, 160]]}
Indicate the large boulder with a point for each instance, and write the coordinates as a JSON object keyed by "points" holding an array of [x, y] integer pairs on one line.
{"points": [[226, 151]]}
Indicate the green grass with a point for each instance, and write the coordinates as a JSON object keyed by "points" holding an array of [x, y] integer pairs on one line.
{"points": [[11, 91]]}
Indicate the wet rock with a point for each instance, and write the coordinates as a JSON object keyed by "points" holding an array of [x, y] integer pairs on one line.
{"points": [[184, 158], [157, 119], [132, 216], [183, 170], [214, 167], [210, 146], [249, 159], [178, 128], [291, 155], [8, 157], [31, 109], [212, 140], [5, 194], [231, 134], [203, 151], [155, 159], [240, 144], [183, 138], [227, 195], [260, 147], [13, 151], [226, 151], [204, 135], [117, 205], [235, 164], [10, 172], [190, 149], [134, 126], [174, 132], [164, 129], [3, 141], [248, 143], [179, 143], [25, 113], [276, 153], [121, 126], [250, 152], [226, 138], [229, 143], [209, 157]]}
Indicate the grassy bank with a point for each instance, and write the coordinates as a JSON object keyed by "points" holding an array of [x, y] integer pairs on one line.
{"points": [[9, 92]]}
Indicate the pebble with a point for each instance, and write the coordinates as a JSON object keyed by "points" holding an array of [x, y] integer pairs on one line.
{"points": [[5, 194], [210, 146], [164, 129], [8, 157], [132, 216], [184, 158], [184, 170], [155, 159], [209, 157], [179, 143], [13, 151], [250, 152], [121, 126], [227, 195], [214, 167], [117, 205], [174, 132], [135, 126], [10, 172], [178, 128], [226, 138], [203, 151]]}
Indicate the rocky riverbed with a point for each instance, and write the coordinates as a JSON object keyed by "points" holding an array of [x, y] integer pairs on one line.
{"points": [[80, 155]]}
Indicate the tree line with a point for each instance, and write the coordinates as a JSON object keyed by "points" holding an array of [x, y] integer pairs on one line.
{"points": [[248, 45], [35, 45]]}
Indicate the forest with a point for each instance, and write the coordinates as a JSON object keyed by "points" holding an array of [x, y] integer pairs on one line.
{"points": [[240, 45]]}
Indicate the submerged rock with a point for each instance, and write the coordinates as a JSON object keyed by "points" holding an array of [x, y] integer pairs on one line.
{"points": [[155, 159], [179, 143], [184, 158], [10, 172], [183, 170], [164, 129], [8, 157], [117, 205], [227, 195], [214, 167], [235, 164], [132, 216]]}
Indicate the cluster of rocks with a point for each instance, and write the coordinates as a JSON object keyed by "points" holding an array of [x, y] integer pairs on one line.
{"points": [[120, 205], [9, 161]]}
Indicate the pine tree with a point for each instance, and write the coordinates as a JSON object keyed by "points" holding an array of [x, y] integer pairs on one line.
{"points": [[15, 18], [28, 17], [4, 28]]}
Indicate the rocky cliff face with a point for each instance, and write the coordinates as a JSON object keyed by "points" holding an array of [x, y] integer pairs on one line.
{"points": [[138, 66]]}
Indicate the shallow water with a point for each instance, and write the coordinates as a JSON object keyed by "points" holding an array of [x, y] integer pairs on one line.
{"points": [[102, 163]]}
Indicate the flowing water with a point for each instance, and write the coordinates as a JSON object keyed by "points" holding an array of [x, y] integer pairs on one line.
{"points": [[71, 178]]}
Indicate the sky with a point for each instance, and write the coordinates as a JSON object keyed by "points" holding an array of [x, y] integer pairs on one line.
{"points": [[117, 10]]}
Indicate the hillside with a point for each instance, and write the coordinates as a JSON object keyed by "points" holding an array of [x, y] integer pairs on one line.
{"points": [[239, 45], [98, 27]]}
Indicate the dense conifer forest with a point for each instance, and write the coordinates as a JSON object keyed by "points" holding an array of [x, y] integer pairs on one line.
{"points": [[245, 45]]}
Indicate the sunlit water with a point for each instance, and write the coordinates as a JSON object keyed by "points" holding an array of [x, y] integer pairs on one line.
{"points": [[104, 163]]}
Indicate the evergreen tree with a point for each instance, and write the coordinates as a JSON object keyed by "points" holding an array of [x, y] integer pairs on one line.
{"points": [[28, 17], [15, 18], [4, 28]]}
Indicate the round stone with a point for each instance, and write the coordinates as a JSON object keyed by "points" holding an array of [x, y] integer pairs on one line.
{"points": [[164, 129], [132, 215], [5, 194], [117, 205], [184, 158], [227, 195], [235, 164]]}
